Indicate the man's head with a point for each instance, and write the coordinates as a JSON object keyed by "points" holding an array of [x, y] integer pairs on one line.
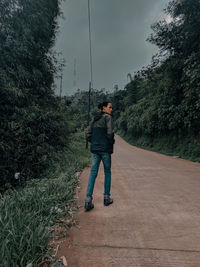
{"points": [[107, 107]]}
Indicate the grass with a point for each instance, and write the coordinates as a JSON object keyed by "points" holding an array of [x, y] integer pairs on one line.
{"points": [[169, 145], [28, 215]]}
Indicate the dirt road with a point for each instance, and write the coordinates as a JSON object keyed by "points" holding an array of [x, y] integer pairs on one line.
{"points": [[154, 220]]}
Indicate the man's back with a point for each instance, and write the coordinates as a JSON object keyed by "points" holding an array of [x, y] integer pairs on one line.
{"points": [[100, 133]]}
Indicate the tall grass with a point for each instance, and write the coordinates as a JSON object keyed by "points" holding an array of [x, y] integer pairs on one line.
{"points": [[185, 147], [28, 215]]}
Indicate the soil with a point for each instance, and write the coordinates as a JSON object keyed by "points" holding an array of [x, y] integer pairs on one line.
{"points": [[153, 222]]}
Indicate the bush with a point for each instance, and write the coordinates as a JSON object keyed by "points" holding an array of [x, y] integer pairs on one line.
{"points": [[34, 122], [28, 215]]}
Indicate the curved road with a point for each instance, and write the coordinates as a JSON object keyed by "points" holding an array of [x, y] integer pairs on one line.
{"points": [[153, 222]]}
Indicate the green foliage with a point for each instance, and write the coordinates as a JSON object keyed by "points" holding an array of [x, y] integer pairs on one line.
{"points": [[34, 123], [28, 215], [173, 145], [30, 140], [117, 102], [163, 99], [80, 101]]}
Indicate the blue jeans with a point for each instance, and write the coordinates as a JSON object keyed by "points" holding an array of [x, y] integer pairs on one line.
{"points": [[96, 159]]}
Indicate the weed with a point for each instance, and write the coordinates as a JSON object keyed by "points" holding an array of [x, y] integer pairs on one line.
{"points": [[182, 147], [28, 215]]}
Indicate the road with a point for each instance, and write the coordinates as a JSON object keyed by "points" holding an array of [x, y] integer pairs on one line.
{"points": [[153, 222]]}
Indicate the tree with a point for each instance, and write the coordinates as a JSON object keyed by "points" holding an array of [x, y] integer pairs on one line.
{"points": [[31, 115], [168, 90]]}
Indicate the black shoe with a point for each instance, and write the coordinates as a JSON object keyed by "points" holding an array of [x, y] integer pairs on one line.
{"points": [[107, 201], [89, 205]]}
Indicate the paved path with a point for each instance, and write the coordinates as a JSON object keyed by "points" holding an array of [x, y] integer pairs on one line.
{"points": [[154, 220]]}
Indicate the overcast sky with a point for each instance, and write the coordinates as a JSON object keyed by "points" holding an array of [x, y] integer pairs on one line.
{"points": [[119, 32]]}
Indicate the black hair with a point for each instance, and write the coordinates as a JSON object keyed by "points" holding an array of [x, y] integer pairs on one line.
{"points": [[100, 106], [105, 104]]}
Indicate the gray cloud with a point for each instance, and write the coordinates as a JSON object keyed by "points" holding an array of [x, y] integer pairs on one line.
{"points": [[119, 30]]}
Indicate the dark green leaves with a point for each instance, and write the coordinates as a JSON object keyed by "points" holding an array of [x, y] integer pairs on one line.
{"points": [[34, 123]]}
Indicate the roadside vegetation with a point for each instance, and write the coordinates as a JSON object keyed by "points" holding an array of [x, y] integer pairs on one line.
{"points": [[35, 124], [159, 109], [28, 215], [41, 149]]}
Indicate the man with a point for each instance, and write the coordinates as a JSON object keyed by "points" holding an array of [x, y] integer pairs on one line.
{"points": [[100, 134]]}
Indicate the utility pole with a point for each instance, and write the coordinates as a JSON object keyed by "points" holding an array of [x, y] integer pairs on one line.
{"points": [[61, 77], [91, 70], [90, 43], [88, 119], [89, 99], [74, 83], [116, 87]]}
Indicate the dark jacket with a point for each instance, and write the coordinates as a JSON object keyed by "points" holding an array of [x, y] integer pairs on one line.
{"points": [[100, 133]]}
